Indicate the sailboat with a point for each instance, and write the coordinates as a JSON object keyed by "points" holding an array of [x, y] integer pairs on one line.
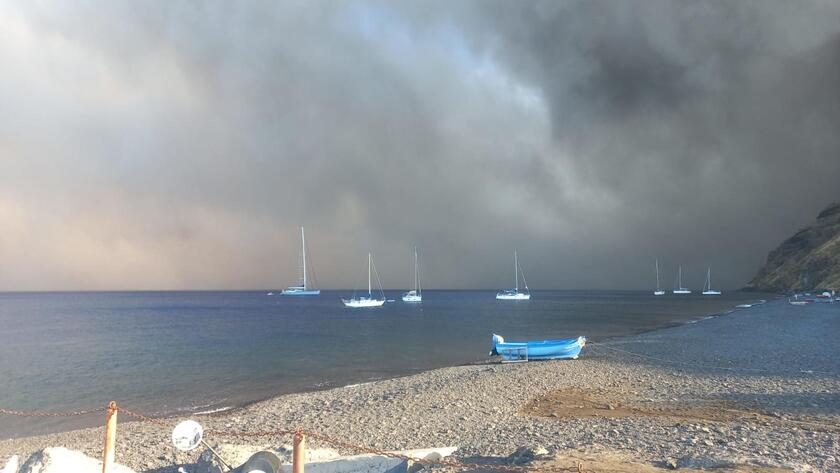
{"points": [[514, 294], [658, 292], [369, 301], [303, 289], [415, 295], [680, 289], [707, 287]]}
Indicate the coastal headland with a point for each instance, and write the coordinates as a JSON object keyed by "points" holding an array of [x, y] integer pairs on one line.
{"points": [[756, 389]]}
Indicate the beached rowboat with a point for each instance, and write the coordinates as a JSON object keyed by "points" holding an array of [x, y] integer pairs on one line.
{"points": [[538, 350]]}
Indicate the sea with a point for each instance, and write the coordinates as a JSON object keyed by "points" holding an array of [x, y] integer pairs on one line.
{"points": [[167, 353]]}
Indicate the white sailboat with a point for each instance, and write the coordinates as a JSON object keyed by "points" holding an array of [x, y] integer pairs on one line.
{"points": [[514, 294], [303, 289], [369, 301], [658, 292], [679, 289], [707, 286], [415, 295]]}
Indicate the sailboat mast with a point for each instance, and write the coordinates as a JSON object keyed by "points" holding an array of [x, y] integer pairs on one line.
{"points": [[516, 270], [370, 293], [657, 274], [303, 251], [416, 286]]}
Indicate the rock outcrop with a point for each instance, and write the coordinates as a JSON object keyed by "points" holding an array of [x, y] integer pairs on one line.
{"points": [[807, 261]]}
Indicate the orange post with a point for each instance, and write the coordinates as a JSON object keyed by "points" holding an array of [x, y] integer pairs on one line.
{"points": [[298, 455], [110, 437]]}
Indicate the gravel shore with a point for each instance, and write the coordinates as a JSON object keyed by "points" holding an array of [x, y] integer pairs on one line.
{"points": [[758, 386]]}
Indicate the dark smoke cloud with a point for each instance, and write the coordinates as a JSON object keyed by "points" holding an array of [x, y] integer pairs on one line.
{"points": [[180, 146]]}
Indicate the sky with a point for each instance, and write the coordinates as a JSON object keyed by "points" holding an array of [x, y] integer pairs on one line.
{"points": [[181, 145]]}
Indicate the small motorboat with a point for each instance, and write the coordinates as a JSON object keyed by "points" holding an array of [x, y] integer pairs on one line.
{"points": [[565, 348], [797, 301]]}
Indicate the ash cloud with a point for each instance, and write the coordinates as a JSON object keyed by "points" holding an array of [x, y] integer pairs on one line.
{"points": [[180, 146]]}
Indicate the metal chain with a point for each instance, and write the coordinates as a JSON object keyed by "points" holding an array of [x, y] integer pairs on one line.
{"points": [[442, 462], [357, 447]]}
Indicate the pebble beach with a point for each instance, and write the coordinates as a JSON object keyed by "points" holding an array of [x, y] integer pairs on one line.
{"points": [[755, 388]]}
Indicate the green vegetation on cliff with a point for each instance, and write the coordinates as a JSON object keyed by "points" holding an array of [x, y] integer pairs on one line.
{"points": [[808, 260]]}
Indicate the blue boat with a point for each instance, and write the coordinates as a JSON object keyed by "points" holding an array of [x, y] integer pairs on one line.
{"points": [[564, 348]]}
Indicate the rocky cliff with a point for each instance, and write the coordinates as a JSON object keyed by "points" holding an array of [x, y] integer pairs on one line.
{"points": [[809, 260]]}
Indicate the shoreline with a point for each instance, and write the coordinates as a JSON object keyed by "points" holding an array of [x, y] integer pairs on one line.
{"points": [[211, 410], [660, 411], [484, 362]]}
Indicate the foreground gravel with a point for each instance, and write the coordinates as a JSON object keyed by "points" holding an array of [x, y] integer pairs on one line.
{"points": [[778, 361]]}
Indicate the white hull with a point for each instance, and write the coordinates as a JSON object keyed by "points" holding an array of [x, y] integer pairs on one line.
{"points": [[711, 293], [301, 292], [412, 297], [361, 303], [658, 293], [682, 291], [513, 297]]}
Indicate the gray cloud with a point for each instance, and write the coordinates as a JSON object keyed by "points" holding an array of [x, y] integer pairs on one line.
{"points": [[144, 146]]}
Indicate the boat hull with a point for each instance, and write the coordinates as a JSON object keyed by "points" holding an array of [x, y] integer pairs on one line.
{"points": [[412, 298], [567, 348], [301, 292], [363, 303], [682, 291], [658, 293], [711, 293], [502, 296]]}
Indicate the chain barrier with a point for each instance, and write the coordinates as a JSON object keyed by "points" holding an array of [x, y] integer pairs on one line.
{"points": [[442, 462], [164, 422]]}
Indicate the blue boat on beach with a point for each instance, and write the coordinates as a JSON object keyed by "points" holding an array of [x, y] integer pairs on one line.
{"points": [[564, 348]]}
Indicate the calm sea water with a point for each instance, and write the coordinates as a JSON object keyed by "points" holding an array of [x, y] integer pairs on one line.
{"points": [[168, 352]]}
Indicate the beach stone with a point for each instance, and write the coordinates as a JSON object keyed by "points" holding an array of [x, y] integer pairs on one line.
{"points": [[63, 460], [703, 463], [524, 455], [670, 464]]}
